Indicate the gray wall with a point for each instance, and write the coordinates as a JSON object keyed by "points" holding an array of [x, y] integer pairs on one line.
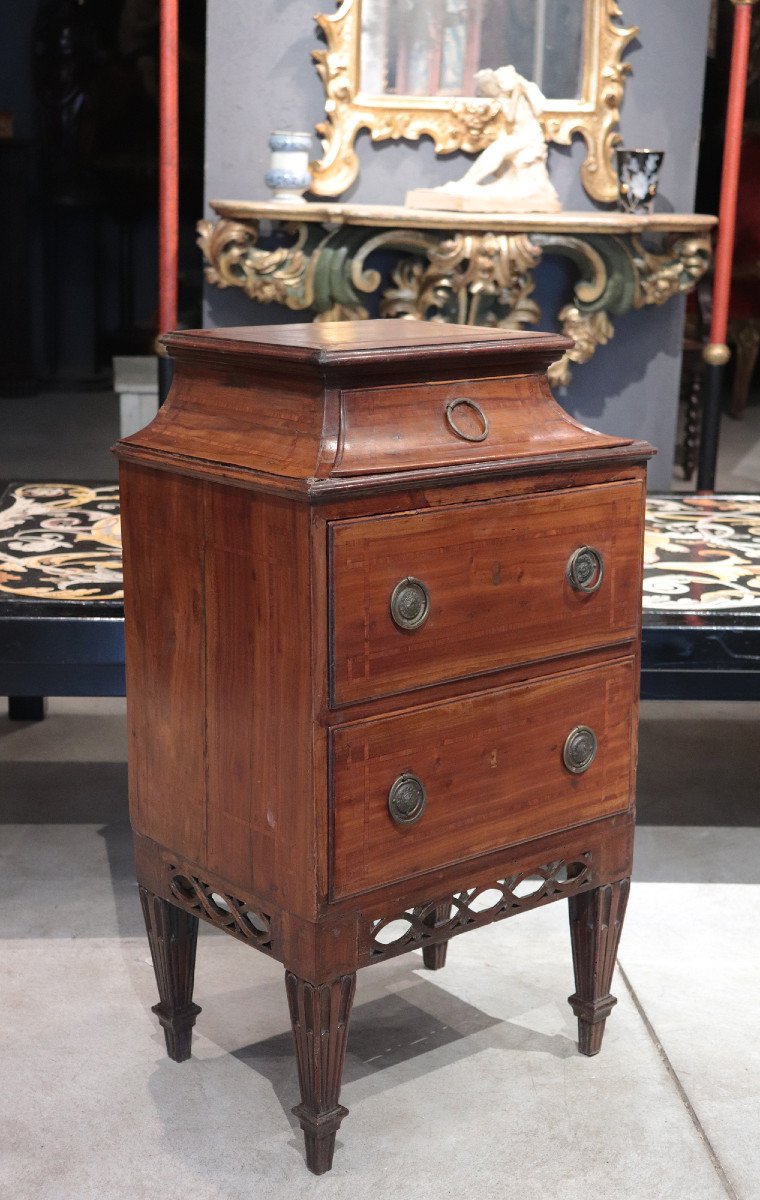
{"points": [[259, 77]]}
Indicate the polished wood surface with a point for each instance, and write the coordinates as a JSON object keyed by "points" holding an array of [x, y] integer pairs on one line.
{"points": [[373, 439], [278, 407], [319, 1016], [499, 592], [173, 938], [477, 759], [596, 922], [275, 432], [209, 614], [273, 702], [165, 658]]}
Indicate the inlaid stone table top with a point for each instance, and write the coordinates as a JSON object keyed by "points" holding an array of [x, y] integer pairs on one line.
{"points": [[702, 554], [62, 542]]}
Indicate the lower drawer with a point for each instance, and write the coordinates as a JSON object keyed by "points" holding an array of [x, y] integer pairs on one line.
{"points": [[423, 789]]}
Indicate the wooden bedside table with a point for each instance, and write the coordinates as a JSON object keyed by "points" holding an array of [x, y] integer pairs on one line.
{"points": [[383, 605]]}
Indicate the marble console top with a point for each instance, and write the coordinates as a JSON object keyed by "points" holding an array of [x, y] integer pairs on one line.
{"points": [[398, 216], [62, 542]]}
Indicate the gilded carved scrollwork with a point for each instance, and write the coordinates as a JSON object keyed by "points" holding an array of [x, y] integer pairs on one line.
{"points": [[617, 274], [300, 274], [281, 275], [469, 279], [475, 277], [470, 123], [588, 330], [677, 268]]}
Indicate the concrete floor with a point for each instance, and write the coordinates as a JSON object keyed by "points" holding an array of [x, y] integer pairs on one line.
{"points": [[457, 1082], [461, 1084]]}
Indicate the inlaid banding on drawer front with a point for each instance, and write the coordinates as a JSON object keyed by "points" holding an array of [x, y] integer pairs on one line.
{"points": [[423, 425], [493, 770], [498, 584]]}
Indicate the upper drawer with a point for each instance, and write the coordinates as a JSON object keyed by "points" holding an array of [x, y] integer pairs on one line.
{"points": [[491, 588], [414, 426]]}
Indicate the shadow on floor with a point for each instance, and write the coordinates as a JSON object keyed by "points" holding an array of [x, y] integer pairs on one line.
{"points": [[399, 1027]]}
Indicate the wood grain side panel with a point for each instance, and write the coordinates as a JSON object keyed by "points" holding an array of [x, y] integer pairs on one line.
{"points": [[492, 766], [218, 630], [320, 669], [234, 418], [496, 573], [162, 522], [261, 820]]}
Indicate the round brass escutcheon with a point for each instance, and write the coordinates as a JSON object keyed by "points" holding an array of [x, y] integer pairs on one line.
{"points": [[406, 799], [585, 569], [410, 603], [473, 405], [580, 749]]}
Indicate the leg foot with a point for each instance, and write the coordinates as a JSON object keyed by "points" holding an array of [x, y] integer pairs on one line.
{"points": [[434, 957], [596, 920], [320, 1014], [27, 708], [172, 934]]}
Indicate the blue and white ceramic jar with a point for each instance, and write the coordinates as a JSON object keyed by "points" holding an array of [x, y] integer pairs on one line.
{"points": [[288, 175]]}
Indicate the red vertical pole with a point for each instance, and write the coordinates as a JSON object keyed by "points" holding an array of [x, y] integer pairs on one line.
{"points": [[716, 352], [168, 175], [737, 91]]}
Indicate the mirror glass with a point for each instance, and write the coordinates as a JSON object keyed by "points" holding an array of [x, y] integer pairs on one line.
{"points": [[436, 47]]}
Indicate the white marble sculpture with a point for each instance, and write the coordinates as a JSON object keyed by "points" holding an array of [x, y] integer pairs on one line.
{"points": [[510, 175]]}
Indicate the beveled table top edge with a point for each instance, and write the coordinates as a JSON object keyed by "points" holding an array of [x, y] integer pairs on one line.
{"points": [[313, 489], [401, 216], [387, 346]]}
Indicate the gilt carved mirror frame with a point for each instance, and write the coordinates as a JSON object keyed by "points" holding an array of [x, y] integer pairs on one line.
{"points": [[463, 122]]}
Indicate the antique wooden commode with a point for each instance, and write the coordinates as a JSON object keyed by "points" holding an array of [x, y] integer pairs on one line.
{"points": [[383, 611]]}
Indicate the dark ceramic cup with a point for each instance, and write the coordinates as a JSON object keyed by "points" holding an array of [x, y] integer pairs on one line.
{"points": [[638, 177]]}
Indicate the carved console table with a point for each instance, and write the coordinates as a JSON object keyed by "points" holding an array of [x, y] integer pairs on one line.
{"points": [[474, 269]]}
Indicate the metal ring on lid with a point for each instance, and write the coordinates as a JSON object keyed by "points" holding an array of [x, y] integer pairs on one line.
{"points": [[451, 408]]}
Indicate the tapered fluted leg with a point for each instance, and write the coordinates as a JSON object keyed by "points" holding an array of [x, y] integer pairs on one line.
{"points": [[434, 957], [320, 1015], [173, 935], [596, 920]]}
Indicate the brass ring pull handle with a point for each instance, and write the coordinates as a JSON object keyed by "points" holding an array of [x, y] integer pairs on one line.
{"points": [[580, 749], [451, 408], [410, 603], [585, 570], [406, 799]]}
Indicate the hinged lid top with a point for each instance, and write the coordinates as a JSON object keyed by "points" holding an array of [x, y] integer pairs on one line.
{"points": [[330, 348], [333, 407]]}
